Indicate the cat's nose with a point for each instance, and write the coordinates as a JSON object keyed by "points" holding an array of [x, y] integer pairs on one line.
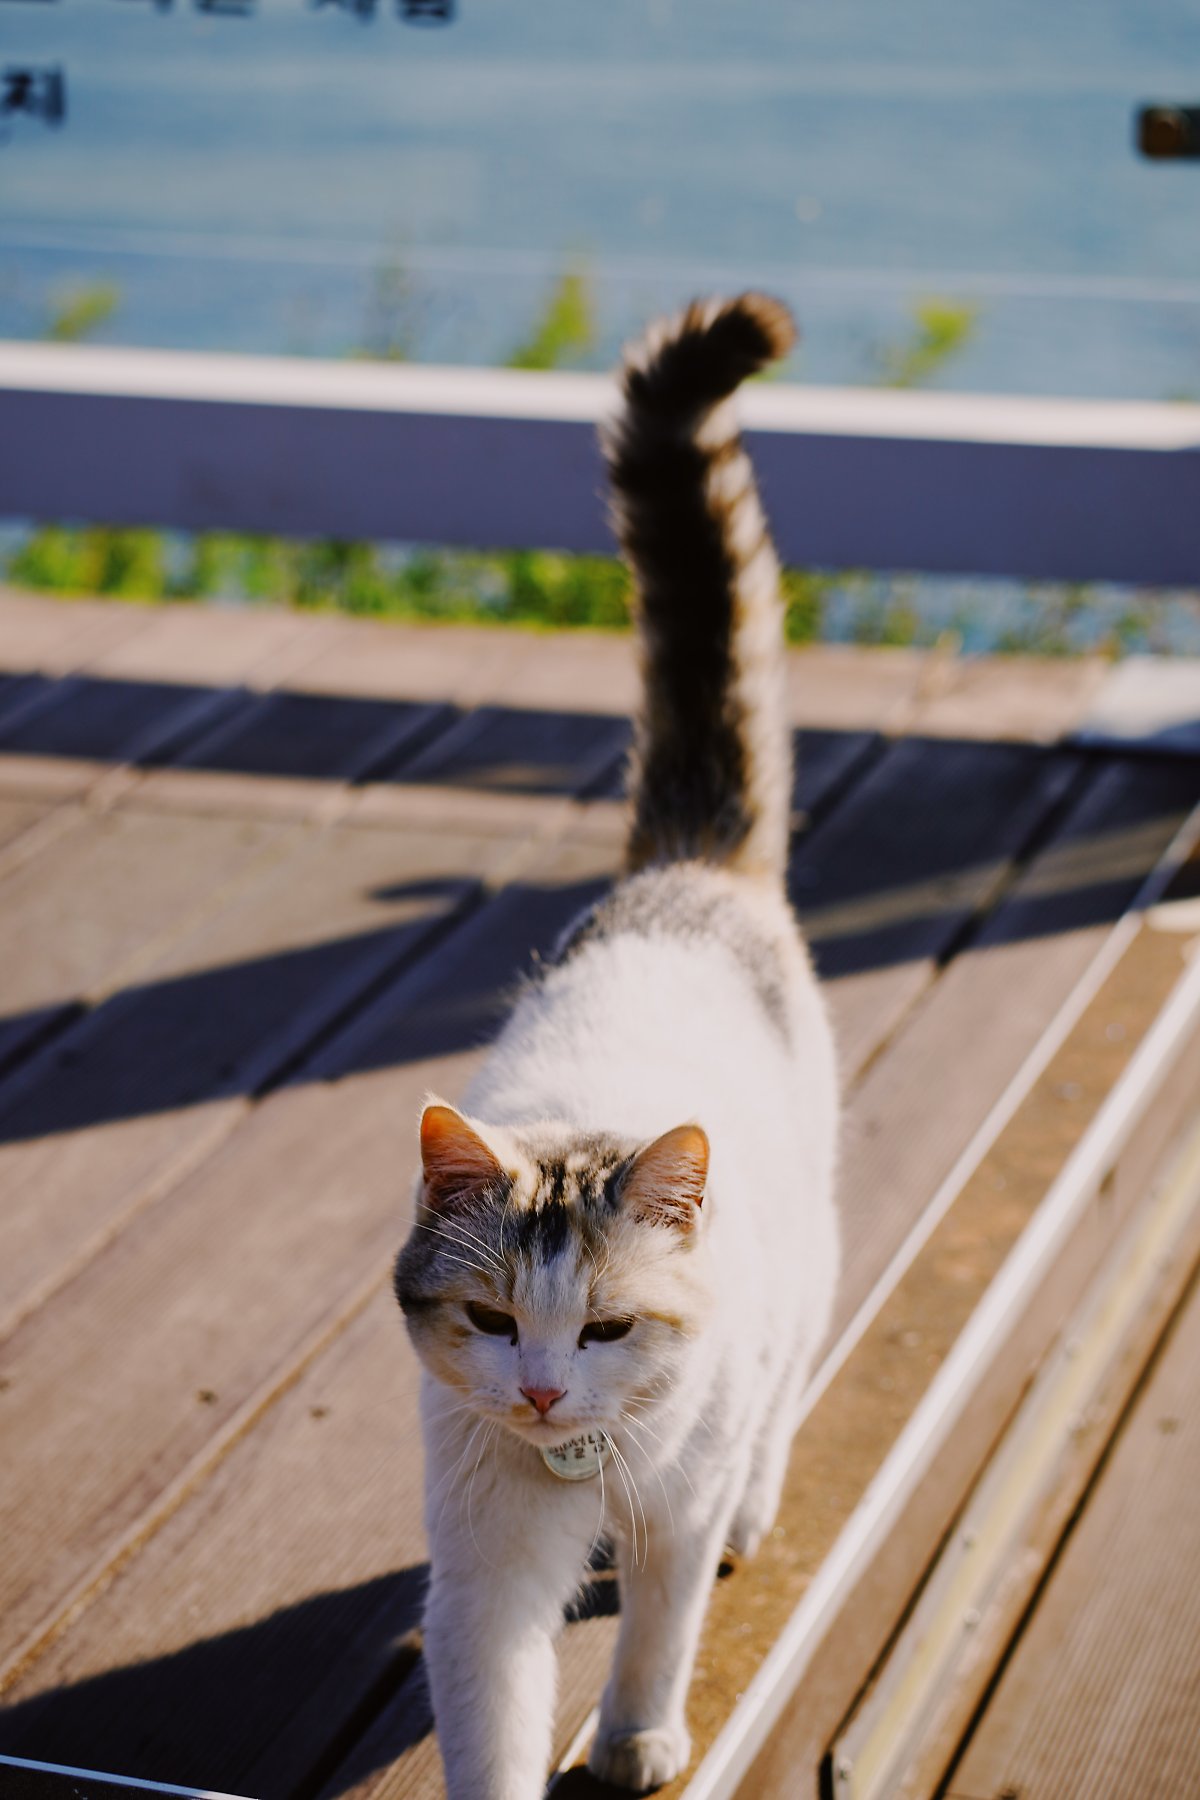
{"points": [[543, 1398]]}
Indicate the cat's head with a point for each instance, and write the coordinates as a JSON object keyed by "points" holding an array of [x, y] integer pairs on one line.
{"points": [[555, 1280]]}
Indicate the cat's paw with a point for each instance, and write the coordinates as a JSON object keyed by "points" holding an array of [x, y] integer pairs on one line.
{"points": [[751, 1523], [640, 1760], [744, 1540]]}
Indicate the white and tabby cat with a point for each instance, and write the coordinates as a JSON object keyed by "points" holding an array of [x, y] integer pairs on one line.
{"points": [[628, 1236]]}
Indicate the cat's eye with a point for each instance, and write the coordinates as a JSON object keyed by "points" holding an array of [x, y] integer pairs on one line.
{"points": [[496, 1324], [604, 1331]]}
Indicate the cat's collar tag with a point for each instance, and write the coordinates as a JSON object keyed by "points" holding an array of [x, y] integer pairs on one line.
{"points": [[580, 1458]]}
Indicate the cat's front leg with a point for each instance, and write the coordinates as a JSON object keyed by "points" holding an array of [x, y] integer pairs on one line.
{"points": [[498, 1587], [642, 1739]]}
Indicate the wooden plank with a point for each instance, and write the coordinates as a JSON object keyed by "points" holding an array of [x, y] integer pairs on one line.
{"points": [[56, 635], [925, 843], [459, 1026], [68, 745], [1100, 1695], [77, 919], [1013, 1522], [187, 648], [23, 696], [162, 1073], [457, 1013], [840, 687], [465, 665], [271, 1620], [207, 643], [918, 1107], [509, 770], [1026, 699], [310, 1184], [155, 678], [858, 1421], [289, 755], [16, 817]]}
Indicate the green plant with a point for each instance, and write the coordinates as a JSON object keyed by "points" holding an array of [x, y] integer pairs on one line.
{"points": [[127, 563], [565, 329], [74, 313], [941, 329]]}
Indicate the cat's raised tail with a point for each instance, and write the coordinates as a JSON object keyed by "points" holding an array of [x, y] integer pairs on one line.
{"points": [[712, 769]]}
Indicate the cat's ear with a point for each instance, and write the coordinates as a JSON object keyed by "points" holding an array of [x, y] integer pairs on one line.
{"points": [[664, 1184], [456, 1162]]}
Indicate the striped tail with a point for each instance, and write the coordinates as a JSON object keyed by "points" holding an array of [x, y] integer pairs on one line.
{"points": [[712, 767]]}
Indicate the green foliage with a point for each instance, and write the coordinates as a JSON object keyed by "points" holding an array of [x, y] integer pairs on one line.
{"points": [[545, 588], [804, 596], [941, 329], [76, 312], [565, 330], [129, 564]]}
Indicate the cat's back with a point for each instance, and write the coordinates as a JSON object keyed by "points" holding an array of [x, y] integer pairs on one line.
{"points": [[686, 992]]}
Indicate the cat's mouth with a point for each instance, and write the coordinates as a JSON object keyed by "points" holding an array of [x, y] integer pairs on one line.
{"points": [[549, 1431]]}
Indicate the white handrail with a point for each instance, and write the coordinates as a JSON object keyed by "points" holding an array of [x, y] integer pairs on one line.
{"points": [[863, 478]]}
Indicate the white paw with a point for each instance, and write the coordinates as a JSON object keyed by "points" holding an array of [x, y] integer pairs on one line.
{"points": [[751, 1523], [744, 1540], [640, 1760]]}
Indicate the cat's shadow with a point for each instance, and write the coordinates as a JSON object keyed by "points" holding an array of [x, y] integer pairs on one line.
{"points": [[304, 1702]]}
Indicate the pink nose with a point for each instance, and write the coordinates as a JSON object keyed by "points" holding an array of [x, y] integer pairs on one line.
{"points": [[543, 1398]]}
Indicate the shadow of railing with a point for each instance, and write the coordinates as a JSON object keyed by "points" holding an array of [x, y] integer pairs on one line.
{"points": [[310, 736], [896, 872], [188, 1039]]}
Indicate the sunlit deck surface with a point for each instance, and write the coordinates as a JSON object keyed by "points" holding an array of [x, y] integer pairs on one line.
{"points": [[265, 880]]}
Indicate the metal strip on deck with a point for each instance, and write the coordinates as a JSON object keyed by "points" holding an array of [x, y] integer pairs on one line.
{"points": [[58, 1781]]}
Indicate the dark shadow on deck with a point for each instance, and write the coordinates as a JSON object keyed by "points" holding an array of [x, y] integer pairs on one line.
{"points": [[313, 737], [877, 887], [271, 1709]]}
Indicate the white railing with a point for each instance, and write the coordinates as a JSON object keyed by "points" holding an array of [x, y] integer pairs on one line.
{"points": [[853, 478]]}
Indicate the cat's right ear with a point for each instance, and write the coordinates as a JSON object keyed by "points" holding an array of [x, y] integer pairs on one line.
{"points": [[458, 1166], [664, 1184]]}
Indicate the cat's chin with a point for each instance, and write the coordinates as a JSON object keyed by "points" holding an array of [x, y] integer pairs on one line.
{"points": [[545, 1434]]}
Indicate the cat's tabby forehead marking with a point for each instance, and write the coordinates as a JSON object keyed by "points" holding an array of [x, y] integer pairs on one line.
{"points": [[563, 1203], [573, 1198]]}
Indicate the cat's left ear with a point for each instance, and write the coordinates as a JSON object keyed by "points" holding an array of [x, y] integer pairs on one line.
{"points": [[457, 1164], [664, 1184]]}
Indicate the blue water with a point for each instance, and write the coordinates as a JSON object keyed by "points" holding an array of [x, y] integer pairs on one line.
{"points": [[302, 180]]}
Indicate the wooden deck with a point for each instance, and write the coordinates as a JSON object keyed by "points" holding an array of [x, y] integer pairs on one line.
{"points": [[1102, 1693], [265, 880]]}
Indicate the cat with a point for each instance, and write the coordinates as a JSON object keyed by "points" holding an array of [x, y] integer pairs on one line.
{"points": [[626, 1244]]}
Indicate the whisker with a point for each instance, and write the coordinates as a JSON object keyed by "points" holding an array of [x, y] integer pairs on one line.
{"points": [[448, 1480], [405, 1438], [624, 1469], [487, 1438], [453, 1231], [476, 1268], [600, 1520], [629, 1499], [654, 1470]]}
